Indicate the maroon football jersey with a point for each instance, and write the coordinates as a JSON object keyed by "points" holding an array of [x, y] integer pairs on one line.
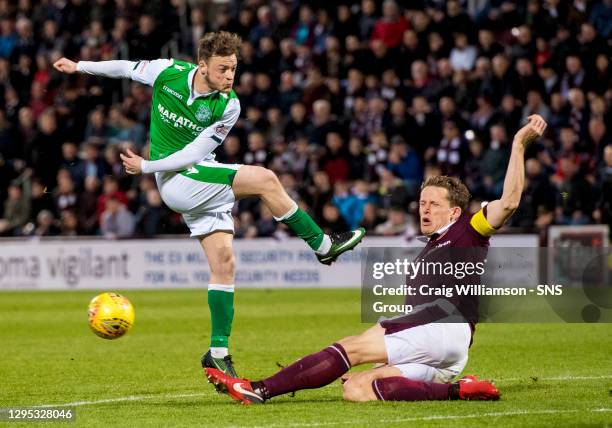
{"points": [[465, 241]]}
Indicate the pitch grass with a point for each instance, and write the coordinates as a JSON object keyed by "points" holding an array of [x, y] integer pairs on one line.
{"points": [[49, 356]]}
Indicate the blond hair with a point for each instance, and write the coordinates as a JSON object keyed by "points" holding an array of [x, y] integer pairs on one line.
{"points": [[458, 194]]}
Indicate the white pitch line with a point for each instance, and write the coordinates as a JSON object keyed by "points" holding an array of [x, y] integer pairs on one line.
{"points": [[441, 417], [555, 378], [121, 399], [199, 394]]}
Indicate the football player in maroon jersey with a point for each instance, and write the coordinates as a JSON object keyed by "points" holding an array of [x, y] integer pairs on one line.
{"points": [[417, 361]]}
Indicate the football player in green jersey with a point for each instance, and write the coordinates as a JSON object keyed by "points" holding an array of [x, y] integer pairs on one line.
{"points": [[193, 109]]}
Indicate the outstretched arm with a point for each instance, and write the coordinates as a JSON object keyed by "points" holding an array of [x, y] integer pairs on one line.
{"points": [[500, 210], [141, 71]]}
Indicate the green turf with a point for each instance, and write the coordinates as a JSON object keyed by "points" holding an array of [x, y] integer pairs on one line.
{"points": [[49, 356]]}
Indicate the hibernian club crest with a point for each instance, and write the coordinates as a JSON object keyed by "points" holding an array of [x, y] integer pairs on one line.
{"points": [[203, 114]]}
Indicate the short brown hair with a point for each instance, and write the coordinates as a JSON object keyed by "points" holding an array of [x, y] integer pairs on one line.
{"points": [[220, 43], [458, 194]]}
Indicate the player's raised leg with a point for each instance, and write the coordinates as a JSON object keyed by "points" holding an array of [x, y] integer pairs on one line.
{"points": [[218, 249], [263, 183]]}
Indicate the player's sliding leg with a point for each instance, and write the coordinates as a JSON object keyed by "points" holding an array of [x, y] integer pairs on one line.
{"points": [[389, 383], [313, 371], [218, 249], [399, 388], [263, 183]]}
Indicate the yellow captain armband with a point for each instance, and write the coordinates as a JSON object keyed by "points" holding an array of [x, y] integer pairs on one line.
{"points": [[481, 225]]}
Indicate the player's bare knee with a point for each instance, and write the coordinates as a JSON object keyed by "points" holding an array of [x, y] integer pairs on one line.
{"points": [[228, 265], [270, 180], [224, 265], [352, 349], [266, 180]]}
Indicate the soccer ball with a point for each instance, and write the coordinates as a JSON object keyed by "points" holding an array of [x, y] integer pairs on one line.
{"points": [[110, 315]]}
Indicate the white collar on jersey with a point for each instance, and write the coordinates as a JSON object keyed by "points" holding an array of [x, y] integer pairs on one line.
{"points": [[192, 93], [436, 234]]}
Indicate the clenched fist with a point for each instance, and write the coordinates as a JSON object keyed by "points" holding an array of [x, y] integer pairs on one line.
{"points": [[131, 162], [532, 131], [65, 66]]}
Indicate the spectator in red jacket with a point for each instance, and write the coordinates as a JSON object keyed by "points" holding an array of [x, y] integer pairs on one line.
{"points": [[390, 28]]}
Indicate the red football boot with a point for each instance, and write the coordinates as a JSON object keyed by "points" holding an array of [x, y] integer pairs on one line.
{"points": [[239, 389], [468, 378], [477, 390]]}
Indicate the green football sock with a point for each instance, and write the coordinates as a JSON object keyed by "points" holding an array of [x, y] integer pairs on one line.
{"points": [[221, 305], [305, 227]]}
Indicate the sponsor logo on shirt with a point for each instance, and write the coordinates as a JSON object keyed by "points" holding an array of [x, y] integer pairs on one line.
{"points": [[177, 121], [172, 92]]}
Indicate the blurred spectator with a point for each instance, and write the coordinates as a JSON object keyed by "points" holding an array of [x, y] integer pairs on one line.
{"points": [[44, 153], [65, 195], [41, 198], [357, 160], [334, 162], [69, 223], [153, 216], [8, 37], [97, 131], [350, 202], [146, 42], [319, 193], [87, 207], [405, 164], [451, 151], [266, 225], [397, 224], [487, 44], [535, 105], [331, 219], [370, 219], [494, 162], [367, 19], [45, 224], [110, 190], [257, 150], [72, 163], [603, 213], [576, 199], [391, 26], [463, 55], [116, 221], [94, 166], [16, 210], [538, 196], [245, 226], [303, 30]]}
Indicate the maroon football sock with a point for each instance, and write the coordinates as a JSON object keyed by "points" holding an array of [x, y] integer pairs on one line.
{"points": [[399, 388], [313, 371]]}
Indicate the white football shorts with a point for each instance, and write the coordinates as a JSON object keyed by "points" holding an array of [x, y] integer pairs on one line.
{"points": [[202, 194], [434, 352]]}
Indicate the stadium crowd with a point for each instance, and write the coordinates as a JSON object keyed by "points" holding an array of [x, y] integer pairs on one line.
{"points": [[351, 103]]}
